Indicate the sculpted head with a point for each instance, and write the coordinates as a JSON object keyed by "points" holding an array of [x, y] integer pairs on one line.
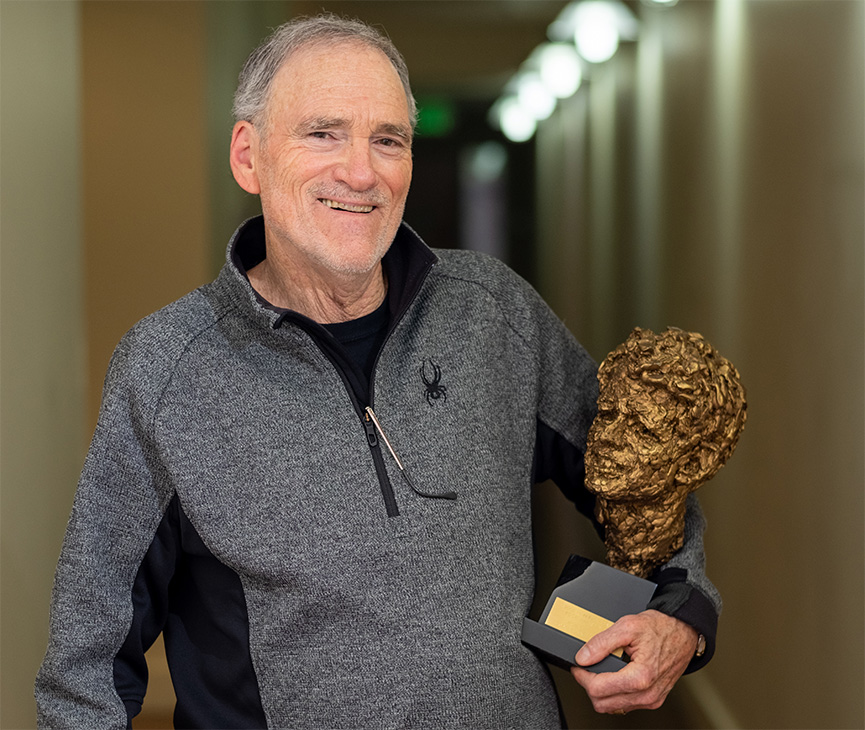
{"points": [[670, 411]]}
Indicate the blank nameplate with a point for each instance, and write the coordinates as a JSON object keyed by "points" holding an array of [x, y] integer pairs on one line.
{"points": [[576, 621]]}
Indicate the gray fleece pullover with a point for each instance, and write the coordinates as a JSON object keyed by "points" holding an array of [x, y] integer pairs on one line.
{"points": [[229, 434]]}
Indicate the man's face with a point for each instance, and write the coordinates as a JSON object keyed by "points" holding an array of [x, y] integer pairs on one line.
{"points": [[633, 443], [334, 162]]}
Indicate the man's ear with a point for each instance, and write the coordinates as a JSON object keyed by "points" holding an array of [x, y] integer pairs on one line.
{"points": [[243, 156]]}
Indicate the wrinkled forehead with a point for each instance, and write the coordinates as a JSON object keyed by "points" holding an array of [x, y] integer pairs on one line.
{"points": [[327, 50], [321, 63]]}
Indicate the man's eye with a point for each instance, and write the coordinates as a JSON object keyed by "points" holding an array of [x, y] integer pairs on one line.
{"points": [[390, 142], [319, 135]]}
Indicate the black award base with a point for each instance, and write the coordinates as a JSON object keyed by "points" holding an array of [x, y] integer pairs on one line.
{"points": [[588, 598]]}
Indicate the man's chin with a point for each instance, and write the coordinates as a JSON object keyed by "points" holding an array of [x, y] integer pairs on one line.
{"points": [[355, 263]]}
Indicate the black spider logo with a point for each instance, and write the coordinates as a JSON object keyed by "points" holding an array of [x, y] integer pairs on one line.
{"points": [[434, 389]]}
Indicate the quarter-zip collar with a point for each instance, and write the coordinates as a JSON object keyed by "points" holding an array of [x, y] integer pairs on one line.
{"points": [[406, 265]]}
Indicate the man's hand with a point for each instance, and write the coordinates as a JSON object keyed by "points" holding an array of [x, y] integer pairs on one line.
{"points": [[660, 648]]}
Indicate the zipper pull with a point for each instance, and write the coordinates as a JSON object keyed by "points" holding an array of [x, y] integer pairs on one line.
{"points": [[371, 437], [376, 426]]}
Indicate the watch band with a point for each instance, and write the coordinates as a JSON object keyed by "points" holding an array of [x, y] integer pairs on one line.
{"points": [[701, 646]]}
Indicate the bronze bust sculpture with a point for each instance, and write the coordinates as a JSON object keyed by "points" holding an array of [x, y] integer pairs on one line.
{"points": [[670, 412]]}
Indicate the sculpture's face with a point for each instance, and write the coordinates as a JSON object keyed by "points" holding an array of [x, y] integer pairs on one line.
{"points": [[633, 450], [661, 431]]}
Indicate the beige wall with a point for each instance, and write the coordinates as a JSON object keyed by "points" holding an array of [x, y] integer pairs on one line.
{"points": [[42, 354], [145, 174], [712, 178]]}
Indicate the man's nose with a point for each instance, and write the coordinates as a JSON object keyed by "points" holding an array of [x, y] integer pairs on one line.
{"points": [[356, 168]]}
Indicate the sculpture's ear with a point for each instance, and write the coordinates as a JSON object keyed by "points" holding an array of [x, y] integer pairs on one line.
{"points": [[700, 464]]}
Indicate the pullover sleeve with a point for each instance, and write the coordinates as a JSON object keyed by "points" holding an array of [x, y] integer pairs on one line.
{"points": [[121, 498], [684, 591]]}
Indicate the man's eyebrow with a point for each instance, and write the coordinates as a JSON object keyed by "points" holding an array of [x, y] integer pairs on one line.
{"points": [[313, 123], [396, 130]]}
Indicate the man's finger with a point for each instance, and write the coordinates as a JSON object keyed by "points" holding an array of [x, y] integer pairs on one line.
{"points": [[602, 645], [604, 691]]}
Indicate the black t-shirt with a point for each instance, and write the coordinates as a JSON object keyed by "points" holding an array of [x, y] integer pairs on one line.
{"points": [[363, 337]]}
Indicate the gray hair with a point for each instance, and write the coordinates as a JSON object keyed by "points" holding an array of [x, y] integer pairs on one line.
{"points": [[257, 74]]}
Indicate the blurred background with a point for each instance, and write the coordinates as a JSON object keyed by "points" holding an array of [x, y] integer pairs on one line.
{"points": [[707, 175]]}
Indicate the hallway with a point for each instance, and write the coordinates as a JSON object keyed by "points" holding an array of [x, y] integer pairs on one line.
{"points": [[710, 176]]}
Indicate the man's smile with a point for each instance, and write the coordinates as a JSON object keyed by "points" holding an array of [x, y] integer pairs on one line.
{"points": [[350, 207]]}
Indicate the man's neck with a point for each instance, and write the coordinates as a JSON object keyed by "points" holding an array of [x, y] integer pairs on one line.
{"points": [[325, 297]]}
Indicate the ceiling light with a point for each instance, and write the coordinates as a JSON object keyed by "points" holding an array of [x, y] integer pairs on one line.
{"points": [[515, 122], [596, 34], [534, 96], [560, 69]]}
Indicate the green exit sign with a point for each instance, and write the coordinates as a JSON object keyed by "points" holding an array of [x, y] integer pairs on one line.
{"points": [[436, 116]]}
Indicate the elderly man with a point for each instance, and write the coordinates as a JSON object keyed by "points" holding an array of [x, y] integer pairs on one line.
{"points": [[313, 475]]}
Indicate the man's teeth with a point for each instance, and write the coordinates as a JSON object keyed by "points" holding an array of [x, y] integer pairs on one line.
{"points": [[346, 206]]}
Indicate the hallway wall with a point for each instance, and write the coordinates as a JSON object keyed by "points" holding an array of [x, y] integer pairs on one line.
{"points": [[43, 432], [711, 177], [145, 171]]}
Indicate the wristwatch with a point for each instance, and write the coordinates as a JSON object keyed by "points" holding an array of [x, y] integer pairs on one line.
{"points": [[701, 645]]}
